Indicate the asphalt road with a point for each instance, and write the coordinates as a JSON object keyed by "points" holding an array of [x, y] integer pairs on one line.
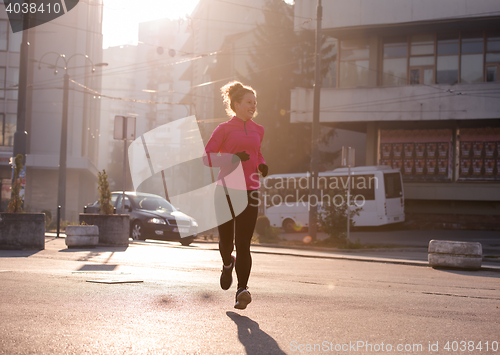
{"points": [[47, 305]]}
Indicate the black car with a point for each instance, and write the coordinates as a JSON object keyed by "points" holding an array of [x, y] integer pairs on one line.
{"points": [[152, 217]]}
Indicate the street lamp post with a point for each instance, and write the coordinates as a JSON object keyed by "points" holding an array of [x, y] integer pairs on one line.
{"points": [[61, 189]]}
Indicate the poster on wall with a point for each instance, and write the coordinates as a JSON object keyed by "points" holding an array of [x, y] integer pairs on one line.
{"points": [[465, 149], [408, 166], [477, 167], [408, 149], [386, 162], [419, 150], [477, 150], [419, 166], [489, 167], [443, 167], [397, 163], [465, 165], [489, 149], [431, 150], [386, 150], [431, 165], [443, 150], [397, 150]]}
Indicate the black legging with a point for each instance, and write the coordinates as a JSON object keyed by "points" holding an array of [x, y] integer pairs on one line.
{"points": [[244, 224]]}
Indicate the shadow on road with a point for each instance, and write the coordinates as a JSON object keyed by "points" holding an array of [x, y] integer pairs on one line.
{"points": [[253, 338], [482, 273]]}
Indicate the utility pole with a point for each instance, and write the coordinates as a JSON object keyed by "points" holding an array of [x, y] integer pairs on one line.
{"points": [[313, 188], [20, 134], [61, 187]]}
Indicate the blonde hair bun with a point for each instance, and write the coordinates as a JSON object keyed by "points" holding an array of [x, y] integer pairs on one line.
{"points": [[233, 92]]}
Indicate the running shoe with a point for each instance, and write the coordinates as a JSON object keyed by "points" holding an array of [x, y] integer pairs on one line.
{"points": [[226, 278], [243, 298]]}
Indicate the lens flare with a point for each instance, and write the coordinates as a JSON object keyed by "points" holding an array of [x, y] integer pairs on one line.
{"points": [[298, 226], [307, 239]]}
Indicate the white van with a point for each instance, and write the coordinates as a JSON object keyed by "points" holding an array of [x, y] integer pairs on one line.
{"points": [[378, 190]]}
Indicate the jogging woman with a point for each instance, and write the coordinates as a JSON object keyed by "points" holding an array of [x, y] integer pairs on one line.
{"points": [[242, 138]]}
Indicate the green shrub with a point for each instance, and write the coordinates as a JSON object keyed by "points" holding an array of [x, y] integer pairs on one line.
{"points": [[332, 218], [104, 193]]}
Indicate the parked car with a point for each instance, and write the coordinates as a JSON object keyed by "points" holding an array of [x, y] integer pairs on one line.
{"points": [[152, 217]]}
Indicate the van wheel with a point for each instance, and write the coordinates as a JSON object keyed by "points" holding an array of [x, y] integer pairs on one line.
{"points": [[289, 225]]}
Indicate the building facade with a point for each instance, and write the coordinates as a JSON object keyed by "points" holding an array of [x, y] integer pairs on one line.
{"points": [[75, 35], [420, 79]]}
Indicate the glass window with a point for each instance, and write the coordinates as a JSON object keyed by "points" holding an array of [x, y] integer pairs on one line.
{"points": [[330, 80], [2, 119], [4, 29], [472, 43], [395, 61], [2, 82], [12, 81], [392, 184], [422, 45], [354, 64], [9, 129], [418, 61], [492, 73], [493, 42], [447, 61], [492, 57], [471, 66], [15, 40], [447, 45]]}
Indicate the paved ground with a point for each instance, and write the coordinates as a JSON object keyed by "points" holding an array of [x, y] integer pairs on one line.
{"points": [[303, 300]]}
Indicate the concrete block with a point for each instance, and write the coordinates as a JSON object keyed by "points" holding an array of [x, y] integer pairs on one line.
{"points": [[114, 229], [455, 248], [19, 231], [82, 236], [453, 254], [455, 261]]}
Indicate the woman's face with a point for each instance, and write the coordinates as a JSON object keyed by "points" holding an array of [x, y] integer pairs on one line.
{"points": [[246, 108]]}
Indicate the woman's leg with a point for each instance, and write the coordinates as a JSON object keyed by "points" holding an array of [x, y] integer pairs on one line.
{"points": [[226, 234], [245, 225]]}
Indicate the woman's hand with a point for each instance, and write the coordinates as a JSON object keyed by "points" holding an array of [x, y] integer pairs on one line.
{"points": [[263, 169], [243, 156]]}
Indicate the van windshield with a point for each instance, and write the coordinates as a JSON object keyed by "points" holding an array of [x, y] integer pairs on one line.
{"points": [[392, 184]]}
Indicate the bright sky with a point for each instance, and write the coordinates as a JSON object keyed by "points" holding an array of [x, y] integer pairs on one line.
{"points": [[121, 18]]}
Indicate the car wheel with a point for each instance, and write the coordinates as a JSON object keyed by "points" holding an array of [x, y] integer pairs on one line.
{"points": [[137, 231], [289, 225], [186, 241]]}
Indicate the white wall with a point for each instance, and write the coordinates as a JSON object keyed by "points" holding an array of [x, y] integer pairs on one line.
{"points": [[347, 13]]}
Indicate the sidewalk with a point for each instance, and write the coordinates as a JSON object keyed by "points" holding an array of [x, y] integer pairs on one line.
{"points": [[405, 251]]}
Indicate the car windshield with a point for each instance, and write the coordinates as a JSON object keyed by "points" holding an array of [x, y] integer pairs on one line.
{"points": [[152, 203]]}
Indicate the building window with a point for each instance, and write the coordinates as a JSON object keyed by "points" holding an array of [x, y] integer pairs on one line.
{"points": [[421, 155], [493, 57], [354, 60], [15, 40], [447, 60], [10, 123], [12, 83], [2, 82], [395, 53], [330, 80], [422, 59], [4, 29], [471, 61]]}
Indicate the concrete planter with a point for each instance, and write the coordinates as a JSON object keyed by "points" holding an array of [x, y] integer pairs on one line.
{"points": [[20, 231], [82, 236], [114, 229], [456, 255]]}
